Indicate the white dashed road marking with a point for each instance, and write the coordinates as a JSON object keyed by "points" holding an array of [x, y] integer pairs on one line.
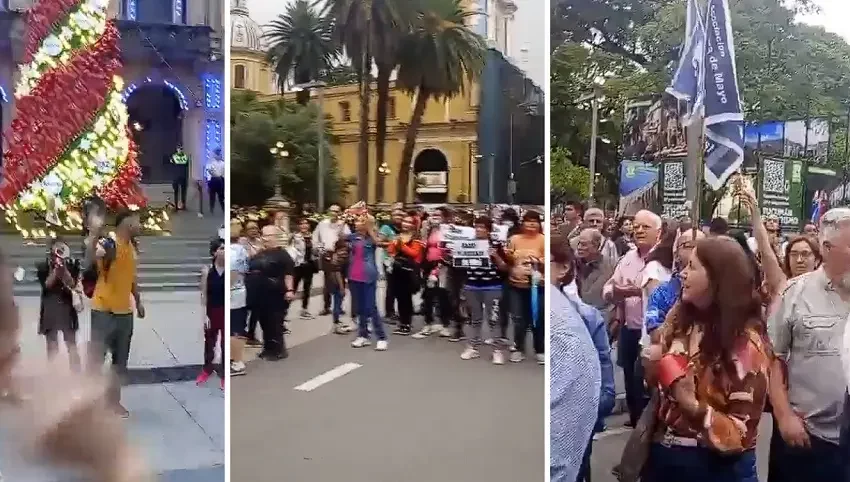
{"points": [[328, 377]]}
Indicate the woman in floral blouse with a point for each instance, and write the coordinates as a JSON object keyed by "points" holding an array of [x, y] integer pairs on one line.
{"points": [[710, 362]]}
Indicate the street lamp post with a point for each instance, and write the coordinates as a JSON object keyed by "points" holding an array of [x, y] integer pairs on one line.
{"points": [[280, 155], [320, 126], [383, 172]]}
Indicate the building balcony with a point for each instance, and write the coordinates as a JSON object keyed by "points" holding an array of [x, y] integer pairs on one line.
{"points": [[145, 42], [140, 42]]}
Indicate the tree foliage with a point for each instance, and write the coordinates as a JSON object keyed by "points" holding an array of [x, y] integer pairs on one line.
{"points": [[302, 45], [258, 126], [786, 69], [568, 181]]}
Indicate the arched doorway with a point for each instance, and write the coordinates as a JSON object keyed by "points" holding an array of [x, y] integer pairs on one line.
{"points": [[431, 177], [156, 122]]}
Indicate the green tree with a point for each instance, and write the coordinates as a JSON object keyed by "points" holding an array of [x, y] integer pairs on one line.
{"points": [[439, 59], [302, 46], [258, 126], [568, 181]]}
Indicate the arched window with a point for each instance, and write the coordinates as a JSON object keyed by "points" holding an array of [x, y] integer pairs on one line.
{"points": [[239, 77]]}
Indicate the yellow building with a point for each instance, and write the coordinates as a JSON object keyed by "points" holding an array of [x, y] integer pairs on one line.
{"points": [[444, 167]]}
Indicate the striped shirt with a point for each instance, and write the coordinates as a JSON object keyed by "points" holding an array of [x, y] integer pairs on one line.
{"points": [[575, 384]]}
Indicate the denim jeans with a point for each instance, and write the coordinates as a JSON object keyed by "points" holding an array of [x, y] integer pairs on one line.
{"points": [[699, 464], [364, 298], [336, 301]]}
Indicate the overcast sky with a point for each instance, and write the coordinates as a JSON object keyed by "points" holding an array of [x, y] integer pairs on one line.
{"points": [[530, 16], [833, 16]]}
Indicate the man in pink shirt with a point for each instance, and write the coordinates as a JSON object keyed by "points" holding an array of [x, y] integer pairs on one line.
{"points": [[624, 289]]}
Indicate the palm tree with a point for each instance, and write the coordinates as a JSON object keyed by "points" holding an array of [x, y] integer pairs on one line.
{"points": [[439, 59], [302, 46], [369, 30]]}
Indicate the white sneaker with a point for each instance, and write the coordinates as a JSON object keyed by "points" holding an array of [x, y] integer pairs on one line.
{"points": [[469, 353], [541, 359], [489, 341], [445, 331], [425, 332], [347, 327], [360, 342], [306, 315], [382, 345], [237, 368], [517, 357], [498, 357]]}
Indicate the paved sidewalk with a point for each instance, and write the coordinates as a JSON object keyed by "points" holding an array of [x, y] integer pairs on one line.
{"points": [[177, 425], [170, 335]]}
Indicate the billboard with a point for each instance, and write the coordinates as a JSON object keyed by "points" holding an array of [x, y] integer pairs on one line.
{"points": [[792, 138], [653, 129], [781, 190]]}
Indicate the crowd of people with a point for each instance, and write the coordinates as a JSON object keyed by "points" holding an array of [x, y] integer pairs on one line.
{"points": [[273, 264], [713, 328]]}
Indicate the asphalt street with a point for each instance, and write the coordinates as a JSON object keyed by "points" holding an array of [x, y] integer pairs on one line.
{"points": [[608, 447], [416, 413]]}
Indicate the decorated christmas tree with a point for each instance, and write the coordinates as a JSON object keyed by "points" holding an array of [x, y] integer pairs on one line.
{"points": [[70, 138]]}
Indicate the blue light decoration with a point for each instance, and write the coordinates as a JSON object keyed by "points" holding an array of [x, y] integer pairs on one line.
{"points": [[179, 11], [184, 104], [213, 142], [212, 92], [3, 96], [132, 11]]}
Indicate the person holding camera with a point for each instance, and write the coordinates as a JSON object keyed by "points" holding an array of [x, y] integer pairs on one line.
{"points": [[61, 300]]}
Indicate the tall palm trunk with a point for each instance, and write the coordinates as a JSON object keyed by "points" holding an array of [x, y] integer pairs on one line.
{"points": [[383, 81], [363, 152], [410, 143]]}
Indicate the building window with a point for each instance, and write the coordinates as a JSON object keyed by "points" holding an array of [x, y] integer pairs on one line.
{"points": [[391, 108], [4, 4], [151, 11], [345, 111], [178, 11], [239, 77]]}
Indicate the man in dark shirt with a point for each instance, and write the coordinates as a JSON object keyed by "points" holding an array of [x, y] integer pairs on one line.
{"points": [[271, 289]]}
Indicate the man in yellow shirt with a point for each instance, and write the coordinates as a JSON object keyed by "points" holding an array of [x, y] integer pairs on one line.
{"points": [[114, 295]]}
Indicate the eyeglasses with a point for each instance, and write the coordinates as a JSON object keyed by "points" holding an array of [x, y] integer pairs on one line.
{"points": [[800, 254]]}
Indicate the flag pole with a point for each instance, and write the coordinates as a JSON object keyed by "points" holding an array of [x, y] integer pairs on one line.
{"points": [[696, 207]]}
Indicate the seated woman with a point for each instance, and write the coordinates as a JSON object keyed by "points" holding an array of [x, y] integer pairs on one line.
{"points": [[710, 363]]}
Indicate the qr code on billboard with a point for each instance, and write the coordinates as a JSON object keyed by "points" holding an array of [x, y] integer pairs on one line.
{"points": [[774, 176], [674, 176]]}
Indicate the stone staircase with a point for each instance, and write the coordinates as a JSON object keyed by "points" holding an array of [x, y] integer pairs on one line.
{"points": [[166, 263]]}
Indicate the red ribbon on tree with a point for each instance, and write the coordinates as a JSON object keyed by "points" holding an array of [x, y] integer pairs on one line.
{"points": [[58, 110]]}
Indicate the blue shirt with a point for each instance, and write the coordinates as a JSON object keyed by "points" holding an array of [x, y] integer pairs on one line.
{"points": [[574, 383], [661, 301], [596, 326]]}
